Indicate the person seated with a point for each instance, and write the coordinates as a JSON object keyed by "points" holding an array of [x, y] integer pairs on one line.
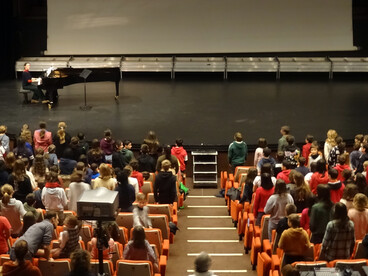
{"points": [[27, 85], [80, 263], [20, 266], [294, 241], [107, 243], [68, 239], [202, 265], [140, 249]]}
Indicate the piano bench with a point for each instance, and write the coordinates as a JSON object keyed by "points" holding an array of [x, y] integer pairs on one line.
{"points": [[25, 95]]}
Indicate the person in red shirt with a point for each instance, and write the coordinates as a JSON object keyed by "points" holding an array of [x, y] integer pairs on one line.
{"points": [[284, 174], [319, 177], [136, 174], [180, 153], [336, 187], [262, 194], [306, 148], [5, 228], [341, 165]]}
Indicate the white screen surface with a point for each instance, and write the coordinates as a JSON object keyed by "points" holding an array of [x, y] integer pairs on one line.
{"points": [[96, 27]]}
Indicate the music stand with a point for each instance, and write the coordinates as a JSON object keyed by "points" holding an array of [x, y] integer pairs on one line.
{"points": [[85, 73]]}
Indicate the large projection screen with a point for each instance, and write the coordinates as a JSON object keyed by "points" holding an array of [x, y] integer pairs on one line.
{"points": [[114, 27]]}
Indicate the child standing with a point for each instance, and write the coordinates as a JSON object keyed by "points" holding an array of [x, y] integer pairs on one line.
{"points": [[140, 212], [258, 154], [306, 148]]}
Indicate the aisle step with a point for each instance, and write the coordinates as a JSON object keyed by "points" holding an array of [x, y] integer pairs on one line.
{"points": [[222, 271], [211, 228], [217, 254]]}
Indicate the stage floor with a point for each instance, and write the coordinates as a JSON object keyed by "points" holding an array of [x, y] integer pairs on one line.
{"points": [[201, 108]]}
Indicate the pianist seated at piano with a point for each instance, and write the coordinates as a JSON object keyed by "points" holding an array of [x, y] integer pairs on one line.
{"points": [[27, 82]]}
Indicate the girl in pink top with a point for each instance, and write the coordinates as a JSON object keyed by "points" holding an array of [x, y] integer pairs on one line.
{"points": [[42, 138]]}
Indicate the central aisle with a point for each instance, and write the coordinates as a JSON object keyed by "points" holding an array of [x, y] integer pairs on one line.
{"points": [[205, 225]]}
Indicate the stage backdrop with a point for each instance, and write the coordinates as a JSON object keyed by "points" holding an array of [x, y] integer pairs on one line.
{"points": [[95, 27]]}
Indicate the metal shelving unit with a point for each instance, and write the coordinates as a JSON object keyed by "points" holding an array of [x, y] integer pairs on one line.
{"points": [[205, 168]]}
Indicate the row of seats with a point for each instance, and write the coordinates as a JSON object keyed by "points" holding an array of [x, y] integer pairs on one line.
{"points": [[62, 267]]}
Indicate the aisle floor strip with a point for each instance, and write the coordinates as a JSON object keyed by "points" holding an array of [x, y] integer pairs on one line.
{"points": [[208, 217], [211, 228], [218, 254], [217, 241], [207, 206], [189, 196], [222, 271]]}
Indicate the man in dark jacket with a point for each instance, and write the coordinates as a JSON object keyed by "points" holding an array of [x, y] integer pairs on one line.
{"points": [[165, 185]]}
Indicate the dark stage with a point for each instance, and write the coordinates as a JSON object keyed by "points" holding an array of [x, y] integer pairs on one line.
{"points": [[201, 108]]}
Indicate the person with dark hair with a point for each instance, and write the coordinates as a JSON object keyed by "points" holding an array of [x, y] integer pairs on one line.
{"points": [[237, 152], [42, 138], [139, 248], [285, 130], [286, 169], [67, 162], [164, 188], [339, 238], [267, 158], [3, 173], [38, 237], [20, 266], [292, 152], [136, 174], [118, 160], [355, 155], [22, 151], [276, 205], [107, 242], [248, 185], [126, 191], [266, 168], [336, 187], [259, 152], [74, 146], [282, 225], [95, 154], [306, 147], [341, 165], [168, 156], [80, 262], [301, 166], [27, 85], [314, 155], [146, 162], [320, 213], [181, 154], [29, 205], [126, 151], [69, 238], [83, 144], [280, 156], [319, 177], [336, 151], [294, 241], [107, 145], [348, 195], [347, 177], [361, 183], [20, 181], [28, 220], [262, 195], [202, 264], [305, 217]]}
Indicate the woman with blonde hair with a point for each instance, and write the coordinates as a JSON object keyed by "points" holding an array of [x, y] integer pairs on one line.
{"points": [[105, 179], [330, 142], [20, 181], [61, 139], [359, 215], [12, 209]]}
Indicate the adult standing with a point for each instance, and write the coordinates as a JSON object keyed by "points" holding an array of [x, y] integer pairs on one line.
{"points": [[27, 85], [165, 185], [237, 152], [282, 144]]}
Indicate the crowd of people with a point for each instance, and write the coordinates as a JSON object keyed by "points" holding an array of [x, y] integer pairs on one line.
{"points": [[32, 178], [326, 186]]}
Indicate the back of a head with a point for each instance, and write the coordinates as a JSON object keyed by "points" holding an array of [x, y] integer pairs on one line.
{"points": [[139, 236], [20, 250], [80, 261], [333, 173], [266, 152], [202, 263], [323, 193], [179, 142], [135, 164], [309, 138], [302, 161], [126, 142], [266, 168], [294, 220], [144, 148], [342, 159], [107, 133], [266, 181], [42, 124], [6, 192], [280, 156], [151, 136], [30, 199], [290, 139], [166, 165], [290, 209], [340, 212], [280, 187], [238, 137], [289, 270], [50, 214], [321, 166], [360, 202], [285, 130]]}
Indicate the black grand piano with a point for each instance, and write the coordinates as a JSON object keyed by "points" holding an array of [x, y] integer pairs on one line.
{"points": [[61, 77]]}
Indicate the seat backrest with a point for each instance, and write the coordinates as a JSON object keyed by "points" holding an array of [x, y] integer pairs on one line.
{"points": [[165, 209], [276, 242], [55, 267], [4, 258], [151, 178], [107, 267], [134, 268], [242, 179], [154, 236], [264, 227], [147, 187], [123, 235], [86, 233], [309, 266], [150, 198], [161, 222], [125, 219], [239, 170], [360, 252], [354, 265]]}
